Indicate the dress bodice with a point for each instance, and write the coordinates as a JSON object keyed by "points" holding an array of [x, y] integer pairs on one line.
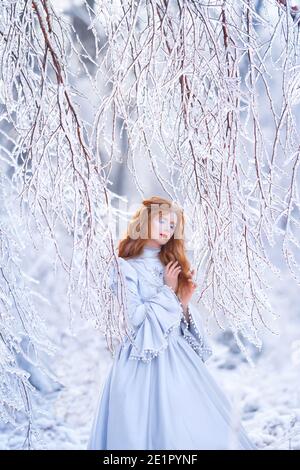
{"points": [[154, 310]]}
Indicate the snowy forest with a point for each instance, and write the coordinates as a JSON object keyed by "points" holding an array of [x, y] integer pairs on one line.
{"points": [[104, 103]]}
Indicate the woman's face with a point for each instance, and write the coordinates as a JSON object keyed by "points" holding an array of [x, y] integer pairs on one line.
{"points": [[163, 226]]}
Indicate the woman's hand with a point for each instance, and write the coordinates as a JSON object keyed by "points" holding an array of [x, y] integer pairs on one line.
{"points": [[188, 291], [171, 274]]}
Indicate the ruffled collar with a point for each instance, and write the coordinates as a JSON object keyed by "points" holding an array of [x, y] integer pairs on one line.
{"points": [[150, 252]]}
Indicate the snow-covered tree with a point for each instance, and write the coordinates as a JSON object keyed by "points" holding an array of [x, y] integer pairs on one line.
{"points": [[184, 89]]}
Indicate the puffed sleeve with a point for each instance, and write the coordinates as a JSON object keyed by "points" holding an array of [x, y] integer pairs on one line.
{"points": [[194, 333], [152, 319]]}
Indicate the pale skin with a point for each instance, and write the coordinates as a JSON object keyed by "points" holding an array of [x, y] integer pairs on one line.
{"points": [[163, 226]]}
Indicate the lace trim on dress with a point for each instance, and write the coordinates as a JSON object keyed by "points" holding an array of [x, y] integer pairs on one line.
{"points": [[146, 355], [155, 331], [195, 340]]}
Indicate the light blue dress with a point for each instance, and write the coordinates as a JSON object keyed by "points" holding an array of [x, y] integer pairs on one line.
{"points": [[159, 394]]}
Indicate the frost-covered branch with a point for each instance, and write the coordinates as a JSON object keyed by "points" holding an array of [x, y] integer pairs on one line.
{"points": [[192, 83], [203, 95], [53, 165]]}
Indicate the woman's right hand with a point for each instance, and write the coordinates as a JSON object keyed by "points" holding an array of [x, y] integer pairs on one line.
{"points": [[171, 274]]}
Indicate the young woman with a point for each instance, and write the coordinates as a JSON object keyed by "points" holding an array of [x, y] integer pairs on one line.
{"points": [[159, 393]]}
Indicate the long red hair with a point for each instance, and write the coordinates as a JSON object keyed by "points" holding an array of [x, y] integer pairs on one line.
{"points": [[173, 250]]}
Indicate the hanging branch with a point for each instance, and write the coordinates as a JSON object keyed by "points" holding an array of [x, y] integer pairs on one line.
{"points": [[51, 138], [186, 78]]}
